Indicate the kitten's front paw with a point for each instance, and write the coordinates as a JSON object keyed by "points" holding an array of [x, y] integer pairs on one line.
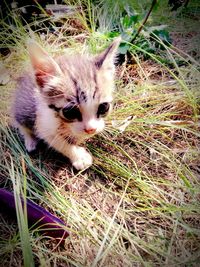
{"points": [[82, 160], [30, 144]]}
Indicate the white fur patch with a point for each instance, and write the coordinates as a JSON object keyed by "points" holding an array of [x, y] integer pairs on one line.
{"points": [[46, 122], [82, 159]]}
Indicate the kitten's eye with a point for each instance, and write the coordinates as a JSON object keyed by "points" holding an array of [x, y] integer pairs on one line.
{"points": [[72, 113], [103, 109]]}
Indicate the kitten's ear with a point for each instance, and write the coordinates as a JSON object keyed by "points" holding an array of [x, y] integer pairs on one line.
{"points": [[44, 65], [106, 59]]}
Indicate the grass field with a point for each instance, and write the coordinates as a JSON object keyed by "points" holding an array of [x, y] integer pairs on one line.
{"points": [[139, 204]]}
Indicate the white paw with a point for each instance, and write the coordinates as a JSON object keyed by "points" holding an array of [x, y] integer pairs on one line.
{"points": [[30, 144], [82, 159]]}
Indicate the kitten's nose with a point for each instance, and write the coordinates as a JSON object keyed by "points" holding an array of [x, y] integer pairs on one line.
{"points": [[90, 130]]}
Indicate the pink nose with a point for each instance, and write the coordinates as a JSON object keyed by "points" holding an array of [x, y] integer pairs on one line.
{"points": [[90, 131]]}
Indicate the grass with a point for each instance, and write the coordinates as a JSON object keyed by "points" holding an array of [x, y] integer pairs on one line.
{"points": [[138, 205]]}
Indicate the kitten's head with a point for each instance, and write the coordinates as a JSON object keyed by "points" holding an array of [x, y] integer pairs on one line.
{"points": [[77, 88]]}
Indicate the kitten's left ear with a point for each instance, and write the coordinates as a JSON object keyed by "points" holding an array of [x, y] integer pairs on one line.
{"points": [[106, 59], [44, 65]]}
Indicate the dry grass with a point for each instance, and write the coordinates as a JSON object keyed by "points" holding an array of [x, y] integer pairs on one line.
{"points": [[138, 205]]}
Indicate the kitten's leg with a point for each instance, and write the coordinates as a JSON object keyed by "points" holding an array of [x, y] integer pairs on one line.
{"points": [[79, 157], [30, 140]]}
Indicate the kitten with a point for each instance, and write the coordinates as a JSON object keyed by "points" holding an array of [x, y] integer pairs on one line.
{"points": [[64, 100]]}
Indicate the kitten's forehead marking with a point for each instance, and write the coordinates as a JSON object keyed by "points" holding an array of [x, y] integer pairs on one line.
{"points": [[77, 88], [83, 97], [96, 85], [84, 81], [89, 82]]}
